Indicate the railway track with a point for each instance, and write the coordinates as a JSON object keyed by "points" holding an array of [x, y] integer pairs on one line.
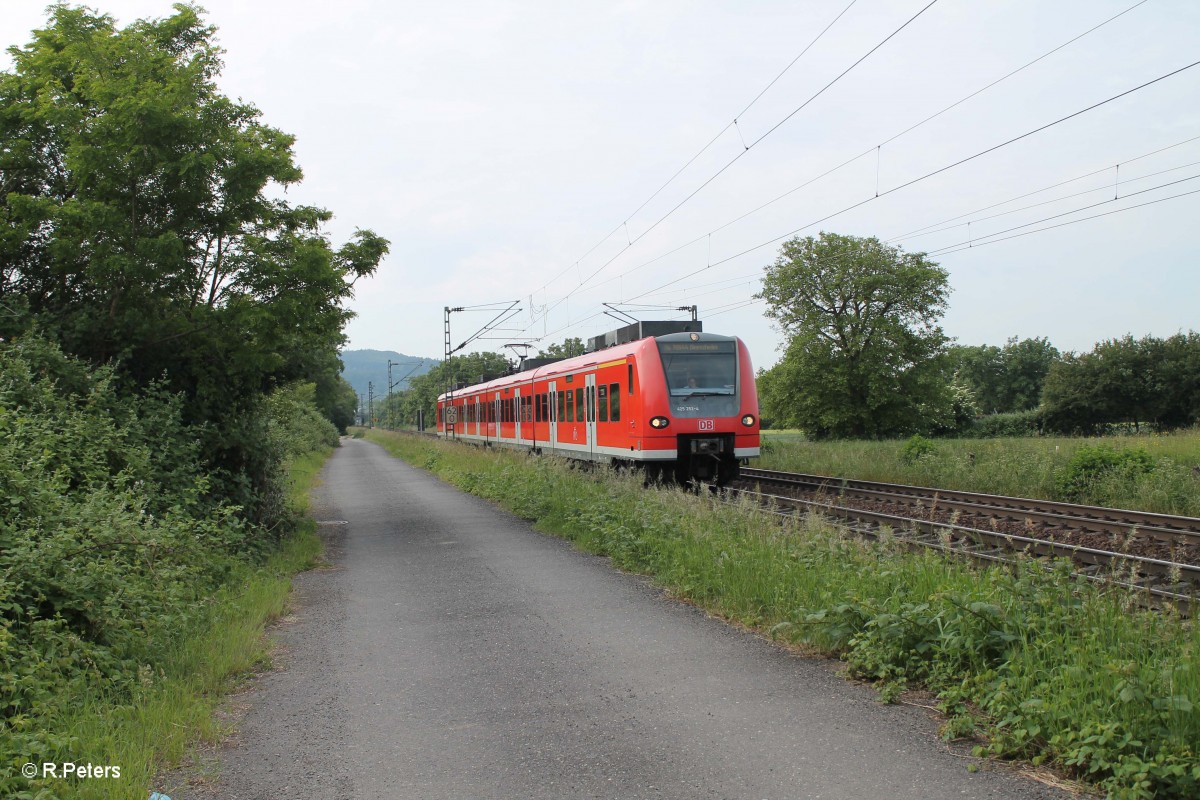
{"points": [[1157, 553]]}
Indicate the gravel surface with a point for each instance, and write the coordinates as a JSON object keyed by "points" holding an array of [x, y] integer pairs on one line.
{"points": [[450, 651]]}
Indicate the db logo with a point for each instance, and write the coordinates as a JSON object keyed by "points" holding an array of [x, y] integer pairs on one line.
{"points": [[708, 425]]}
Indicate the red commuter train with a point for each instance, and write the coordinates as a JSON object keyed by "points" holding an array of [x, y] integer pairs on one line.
{"points": [[682, 404]]}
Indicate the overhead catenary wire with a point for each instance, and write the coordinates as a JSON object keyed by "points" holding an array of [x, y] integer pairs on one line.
{"points": [[874, 149], [925, 176], [980, 241], [750, 147], [999, 236], [1105, 188], [977, 242], [704, 149], [1043, 189], [736, 158]]}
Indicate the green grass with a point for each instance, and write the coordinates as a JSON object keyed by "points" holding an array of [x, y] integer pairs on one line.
{"points": [[1038, 665], [1022, 467], [174, 710]]}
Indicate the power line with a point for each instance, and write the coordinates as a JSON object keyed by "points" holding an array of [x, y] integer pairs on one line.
{"points": [[1044, 189], [1105, 188], [875, 149], [736, 158], [1076, 221], [728, 283], [750, 146], [704, 149], [927, 175], [978, 243]]}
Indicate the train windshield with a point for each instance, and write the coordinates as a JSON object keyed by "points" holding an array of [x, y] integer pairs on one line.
{"points": [[700, 368]]}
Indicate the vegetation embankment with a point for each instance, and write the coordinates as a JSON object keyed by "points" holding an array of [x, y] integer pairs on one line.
{"points": [[131, 596], [1149, 473], [1039, 665], [169, 329]]}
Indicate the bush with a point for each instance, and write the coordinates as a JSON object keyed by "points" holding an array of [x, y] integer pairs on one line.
{"points": [[995, 426], [110, 546], [1091, 465], [916, 448]]}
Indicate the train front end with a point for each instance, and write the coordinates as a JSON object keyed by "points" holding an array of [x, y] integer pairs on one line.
{"points": [[705, 408]]}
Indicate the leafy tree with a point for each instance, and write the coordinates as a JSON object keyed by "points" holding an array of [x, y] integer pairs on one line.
{"points": [[573, 346], [1026, 363], [1128, 381], [1005, 379], [137, 227], [463, 370], [863, 349]]}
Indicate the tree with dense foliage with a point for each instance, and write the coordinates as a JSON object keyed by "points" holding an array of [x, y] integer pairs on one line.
{"points": [[1005, 379], [142, 226], [423, 391], [1127, 381], [572, 346], [863, 349]]}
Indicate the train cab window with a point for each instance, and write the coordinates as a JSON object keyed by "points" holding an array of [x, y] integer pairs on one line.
{"points": [[614, 394], [700, 367], [602, 402]]}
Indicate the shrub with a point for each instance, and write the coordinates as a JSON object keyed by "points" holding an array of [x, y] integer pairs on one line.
{"points": [[916, 448], [1090, 465], [994, 426], [110, 546]]}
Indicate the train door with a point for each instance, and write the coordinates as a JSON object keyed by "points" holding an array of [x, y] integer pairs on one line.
{"points": [[589, 405], [496, 416], [552, 425], [517, 413]]}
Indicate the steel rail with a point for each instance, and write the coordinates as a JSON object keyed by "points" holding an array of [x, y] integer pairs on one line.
{"points": [[1095, 519], [1165, 580]]}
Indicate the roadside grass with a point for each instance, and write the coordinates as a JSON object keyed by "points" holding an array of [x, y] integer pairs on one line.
{"points": [[1022, 467], [174, 708], [1032, 663]]}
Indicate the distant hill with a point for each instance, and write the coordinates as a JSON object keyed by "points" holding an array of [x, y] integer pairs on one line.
{"points": [[361, 366]]}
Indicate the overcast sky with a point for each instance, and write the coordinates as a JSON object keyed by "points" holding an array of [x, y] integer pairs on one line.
{"points": [[498, 144]]}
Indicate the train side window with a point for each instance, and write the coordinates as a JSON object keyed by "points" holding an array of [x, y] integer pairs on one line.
{"points": [[562, 405], [614, 394], [579, 405], [570, 405], [630, 379], [602, 401]]}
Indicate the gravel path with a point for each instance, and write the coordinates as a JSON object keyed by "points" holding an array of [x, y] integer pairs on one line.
{"points": [[452, 652]]}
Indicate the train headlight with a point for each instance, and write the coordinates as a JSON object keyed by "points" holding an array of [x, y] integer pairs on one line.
{"points": [[659, 422], [748, 420]]}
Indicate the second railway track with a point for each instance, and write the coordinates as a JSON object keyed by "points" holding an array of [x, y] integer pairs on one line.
{"points": [[1156, 552]]}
